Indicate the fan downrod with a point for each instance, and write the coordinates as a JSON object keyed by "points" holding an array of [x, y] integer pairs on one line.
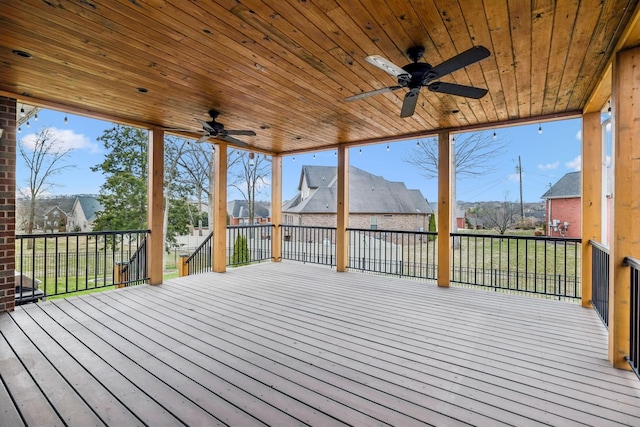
{"points": [[214, 114], [415, 53]]}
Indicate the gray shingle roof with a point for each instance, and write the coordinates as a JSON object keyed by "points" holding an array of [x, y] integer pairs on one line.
{"points": [[90, 205], [568, 186], [240, 209], [368, 193]]}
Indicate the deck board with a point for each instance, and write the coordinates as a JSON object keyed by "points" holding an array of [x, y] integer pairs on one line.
{"points": [[292, 344]]}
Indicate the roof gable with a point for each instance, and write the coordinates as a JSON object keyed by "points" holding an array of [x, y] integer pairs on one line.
{"points": [[568, 186]]}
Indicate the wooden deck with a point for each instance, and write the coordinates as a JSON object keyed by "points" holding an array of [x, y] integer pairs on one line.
{"points": [[291, 344]]}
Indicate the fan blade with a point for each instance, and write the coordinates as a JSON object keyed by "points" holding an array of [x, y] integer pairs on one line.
{"points": [[203, 138], [467, 57], [410, 101], [206, 126], [456, 89], [240, 132], [386, 66], [371, 93], [233, 141]]}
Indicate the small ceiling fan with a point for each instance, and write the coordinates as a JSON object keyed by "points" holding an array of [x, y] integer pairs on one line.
{"points": [[216, 130], [420, 74]]}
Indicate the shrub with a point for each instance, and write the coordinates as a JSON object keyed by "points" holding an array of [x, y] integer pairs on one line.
{"points": [[240, 252]]}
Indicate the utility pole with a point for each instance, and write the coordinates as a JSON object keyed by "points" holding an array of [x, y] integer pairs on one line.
{"points": [[521, 204]]}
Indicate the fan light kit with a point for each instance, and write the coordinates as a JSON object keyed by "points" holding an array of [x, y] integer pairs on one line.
{"points": [[421, 74], [215, 130]]}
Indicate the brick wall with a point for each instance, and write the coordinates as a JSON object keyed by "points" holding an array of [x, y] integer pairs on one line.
{"points": [[403, 222], [565, 210], [7, 203]]}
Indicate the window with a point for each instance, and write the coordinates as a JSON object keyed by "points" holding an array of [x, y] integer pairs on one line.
{"points": [[374, 222]]}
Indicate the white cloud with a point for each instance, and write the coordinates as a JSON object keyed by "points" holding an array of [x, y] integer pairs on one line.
{"points": [[549, 166], [579, 135], [515, 177], [66, 139], [575, 164]]}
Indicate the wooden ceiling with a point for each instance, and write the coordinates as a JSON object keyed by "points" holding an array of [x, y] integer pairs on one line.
{"points": [[283, 67]]}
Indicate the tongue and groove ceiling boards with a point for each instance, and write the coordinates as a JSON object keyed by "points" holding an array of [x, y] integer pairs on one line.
{"points": [[283, 68]]}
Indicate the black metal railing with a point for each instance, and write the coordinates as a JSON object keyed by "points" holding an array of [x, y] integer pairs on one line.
{"points": [[134, 271], [537, 265], [634, 318], [247, 244], [399, 253], [600, 280], [200, 259], [64, 263], [308, 244]]}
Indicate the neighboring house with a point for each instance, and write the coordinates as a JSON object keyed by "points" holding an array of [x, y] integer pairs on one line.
{"points": [[374, 202], [83, 213], [55, 219], [562, 206], [238, 211], [60, 214]]}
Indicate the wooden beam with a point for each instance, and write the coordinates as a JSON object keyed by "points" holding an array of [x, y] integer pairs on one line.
{"points": [[155, 196], [444, 208], [219, 261], [625, 237], [591, 215], [276, 207], [630, 38], [342, 210]]}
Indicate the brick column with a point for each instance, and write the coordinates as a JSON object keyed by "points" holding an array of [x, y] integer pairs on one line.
{"points": [[7, 203]]}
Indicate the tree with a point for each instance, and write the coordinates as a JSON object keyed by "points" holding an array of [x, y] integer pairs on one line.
{"points": [[240, 251], [475, 155], [501, 216], [251, 172], [124, 192], [432, 226], [44, 154]]}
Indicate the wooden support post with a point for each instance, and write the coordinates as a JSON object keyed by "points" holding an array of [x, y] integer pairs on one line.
{"points": [[219, 261], [591, 215], [625, 229], [155, 212], [183, 267], [120, 274], [342, 210], [444, 208], [276, 207]]}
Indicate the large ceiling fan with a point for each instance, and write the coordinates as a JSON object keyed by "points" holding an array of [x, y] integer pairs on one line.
{"points": [[420, 74], [215, 130]]}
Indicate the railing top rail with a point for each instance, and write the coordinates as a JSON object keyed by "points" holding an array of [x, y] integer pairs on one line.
{"points": [[515, 237], [599, 245], [82, 233], [307, 226], [251, 226], [632, 262], [380, 230]]}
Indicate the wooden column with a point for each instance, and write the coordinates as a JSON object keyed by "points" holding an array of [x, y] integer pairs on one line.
{"points": [[276, 207], [155, 212], [342, 210], [219, 261], [591, 199], [625, 229], [444, 208]]}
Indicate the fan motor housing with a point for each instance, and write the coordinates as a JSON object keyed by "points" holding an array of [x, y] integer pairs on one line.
{"points": [[419, 72]]}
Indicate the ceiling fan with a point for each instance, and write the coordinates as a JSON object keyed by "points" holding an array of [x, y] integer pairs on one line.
{"points": [[215, 130], [420, 74]]}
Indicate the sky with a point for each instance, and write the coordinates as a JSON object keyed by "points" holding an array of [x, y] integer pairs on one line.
{"points": [[545, 157]]}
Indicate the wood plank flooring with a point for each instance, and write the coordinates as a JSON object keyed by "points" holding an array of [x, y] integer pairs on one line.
{"points": [[291, 344]]}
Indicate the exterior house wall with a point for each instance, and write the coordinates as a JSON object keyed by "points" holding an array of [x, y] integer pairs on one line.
{"points": [[564, 210], [8, 196], [398, 222]]}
